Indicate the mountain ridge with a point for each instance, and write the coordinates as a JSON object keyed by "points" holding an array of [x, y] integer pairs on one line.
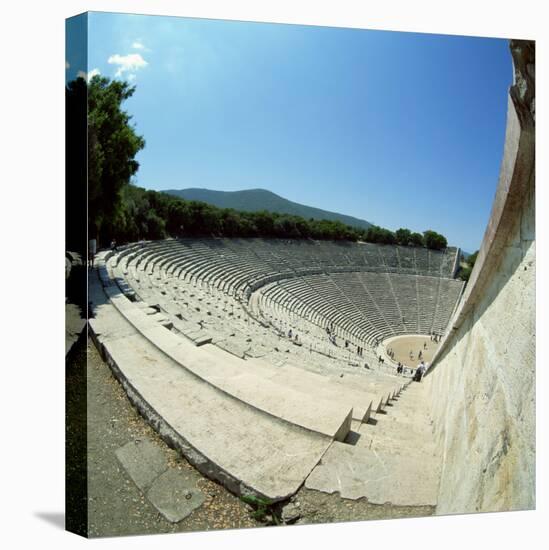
{"points": [[254, 200]]}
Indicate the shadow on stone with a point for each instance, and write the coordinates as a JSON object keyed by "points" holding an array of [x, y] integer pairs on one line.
{"points": [[352, 438]]}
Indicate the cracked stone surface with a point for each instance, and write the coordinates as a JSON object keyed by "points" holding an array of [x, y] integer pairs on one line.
{"points": [[381, 477]]}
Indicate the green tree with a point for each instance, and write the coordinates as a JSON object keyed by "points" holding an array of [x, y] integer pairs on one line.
{"points": [[264, 221], [112, 146], [380, 235], [416, 239], [434, 240], [403, 236], [178, 218]]}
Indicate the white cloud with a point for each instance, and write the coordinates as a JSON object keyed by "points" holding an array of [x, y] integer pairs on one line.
{"points": [[127, 64], [138, 45], [88, 76], [93, 73], [67, 65]]}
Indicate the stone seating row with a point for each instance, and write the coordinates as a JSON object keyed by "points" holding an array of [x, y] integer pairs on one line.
{"points": [[237, 378], [292, 256], [171, 304], [368, 306], [218, 268], [259, 334], [340, 358], [246, 450], [199, 400]]}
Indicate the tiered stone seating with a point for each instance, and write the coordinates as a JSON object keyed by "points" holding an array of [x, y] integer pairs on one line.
{"points": [[190, 392], [240, 446], [448, 297], [201, 314], [373, 306], [336, 285], [195, 328]]}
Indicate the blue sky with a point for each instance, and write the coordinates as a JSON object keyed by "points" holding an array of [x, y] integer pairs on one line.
{"points": [[400, 129]]}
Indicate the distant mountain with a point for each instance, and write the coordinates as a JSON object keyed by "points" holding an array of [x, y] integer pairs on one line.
{"points": [[253, 200]]}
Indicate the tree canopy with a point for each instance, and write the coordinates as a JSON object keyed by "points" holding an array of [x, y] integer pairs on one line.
{"points": [[146, 214], [434, 240], [112, 146]]}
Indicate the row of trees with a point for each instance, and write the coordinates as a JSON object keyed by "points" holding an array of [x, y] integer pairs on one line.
{"points": [[145, 214], [119, 210]]}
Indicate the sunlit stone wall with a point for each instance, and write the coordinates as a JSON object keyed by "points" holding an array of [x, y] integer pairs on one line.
{"points": [[482, 382]]}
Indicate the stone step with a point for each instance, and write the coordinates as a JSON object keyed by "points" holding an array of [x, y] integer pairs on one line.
{"points": [[380, 476], [371, 382], [316, 386], [230, 376], [405, 408], [395, 435], [242, 448]]}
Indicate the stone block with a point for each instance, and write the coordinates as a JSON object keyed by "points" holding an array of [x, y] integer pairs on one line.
{"points": [[174, 495], [143, 462]]}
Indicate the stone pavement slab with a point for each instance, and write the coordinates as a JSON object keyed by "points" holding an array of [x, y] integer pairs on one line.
{"points": [[175, 495], [143, 462]]}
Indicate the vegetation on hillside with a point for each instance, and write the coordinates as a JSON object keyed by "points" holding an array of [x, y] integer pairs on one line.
{"points": [[122, 211], [466, 267], [255, 200]]}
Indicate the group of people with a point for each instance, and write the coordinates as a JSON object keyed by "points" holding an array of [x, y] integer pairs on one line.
{"points": [[331, 335], [401, 369], [435, 337], [293, 336], [391, 353], [419, 353], [420, 371]]}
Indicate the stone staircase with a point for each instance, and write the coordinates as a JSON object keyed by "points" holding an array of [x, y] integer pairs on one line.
{"points": [[391, 458]]}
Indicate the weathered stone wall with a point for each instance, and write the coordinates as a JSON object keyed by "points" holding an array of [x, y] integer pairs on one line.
{"points": [[482, 381]]}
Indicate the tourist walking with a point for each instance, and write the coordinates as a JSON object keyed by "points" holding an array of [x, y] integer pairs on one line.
{"points": [[419, 372]]}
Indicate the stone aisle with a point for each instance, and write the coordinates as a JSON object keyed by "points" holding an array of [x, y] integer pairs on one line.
{"points": [[390, 459]]}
